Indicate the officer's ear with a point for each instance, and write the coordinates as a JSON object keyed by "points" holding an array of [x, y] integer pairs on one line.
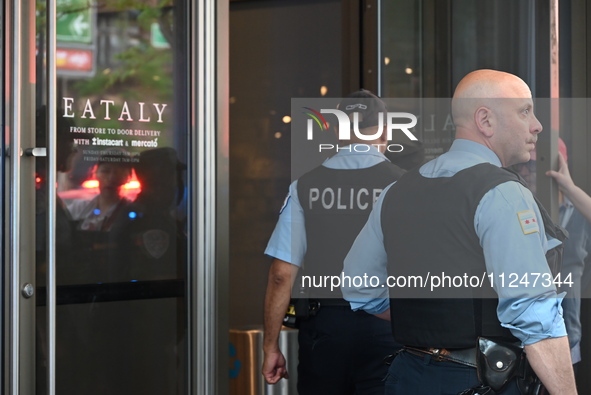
{"points": [[485, 121]]}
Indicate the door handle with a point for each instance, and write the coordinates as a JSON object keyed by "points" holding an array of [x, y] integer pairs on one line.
{"points": [[36, 152]]}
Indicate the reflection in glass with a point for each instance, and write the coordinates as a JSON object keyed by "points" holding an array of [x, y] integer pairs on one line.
{"points": [[100, 212], [401, 43], [121, 261], [427, 46]]}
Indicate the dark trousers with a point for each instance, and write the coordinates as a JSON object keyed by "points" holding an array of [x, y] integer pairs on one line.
{"points": [[421, 375], [342, 352]]}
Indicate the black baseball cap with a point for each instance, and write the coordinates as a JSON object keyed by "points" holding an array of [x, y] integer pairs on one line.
{"points": [[368, 105], [157, 162]]}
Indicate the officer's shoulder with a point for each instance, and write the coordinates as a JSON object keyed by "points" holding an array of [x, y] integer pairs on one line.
{"points": [[514, 192], [311, 172]]}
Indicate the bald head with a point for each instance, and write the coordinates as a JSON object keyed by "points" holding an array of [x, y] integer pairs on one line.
{"points": [[479, 88], [496, 109]]}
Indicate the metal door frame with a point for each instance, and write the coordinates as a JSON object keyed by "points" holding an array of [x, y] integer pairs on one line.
{"points": [[208, 179], [2, 187], [19, 259]]}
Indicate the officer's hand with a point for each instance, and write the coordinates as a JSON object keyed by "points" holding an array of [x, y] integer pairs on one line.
{"points": [[274, 368]]}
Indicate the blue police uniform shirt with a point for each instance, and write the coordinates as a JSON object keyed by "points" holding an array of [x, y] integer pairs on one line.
{"points": [[288, 241], [532, 313]]}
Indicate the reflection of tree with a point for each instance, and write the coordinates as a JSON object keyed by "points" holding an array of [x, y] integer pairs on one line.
{"points": [[137, 62], [128, 67], [137, 65]]}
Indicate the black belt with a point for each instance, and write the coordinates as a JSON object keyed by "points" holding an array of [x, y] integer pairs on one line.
{"points": [[464, 356]]}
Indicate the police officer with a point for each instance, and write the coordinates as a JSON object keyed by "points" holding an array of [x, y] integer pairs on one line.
{"points": [[340, 351], [156, 244], [463, 213]]}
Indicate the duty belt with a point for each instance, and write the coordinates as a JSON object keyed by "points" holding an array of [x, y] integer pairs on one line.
{"points": [[464, 356]]}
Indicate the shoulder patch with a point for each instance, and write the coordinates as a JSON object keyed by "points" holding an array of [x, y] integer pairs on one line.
{"points": [[528, 222]]}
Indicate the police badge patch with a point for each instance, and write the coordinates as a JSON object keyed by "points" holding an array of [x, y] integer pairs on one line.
{"points": [[528, 222], [155, 242]]}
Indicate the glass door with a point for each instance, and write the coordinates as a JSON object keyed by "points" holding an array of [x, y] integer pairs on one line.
{"points": [[114, 170], [120, 214], [100, 196]]}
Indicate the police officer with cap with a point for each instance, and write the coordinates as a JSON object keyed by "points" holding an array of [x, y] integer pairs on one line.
{"points": [[340, 351], [463, 215]]}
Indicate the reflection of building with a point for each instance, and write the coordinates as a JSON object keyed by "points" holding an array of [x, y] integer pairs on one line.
{"points": [[227, 73]]}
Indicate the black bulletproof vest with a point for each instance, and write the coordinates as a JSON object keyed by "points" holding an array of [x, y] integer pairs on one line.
{"points": [[336, 204], [428, 226]]}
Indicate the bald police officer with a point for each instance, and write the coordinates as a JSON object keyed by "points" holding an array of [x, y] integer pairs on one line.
{"points": [[463, 213]]}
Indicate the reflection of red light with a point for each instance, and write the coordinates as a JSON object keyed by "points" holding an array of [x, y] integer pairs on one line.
{"points": [[38, 181], [129, 189], [90, 184], [133, 184], [90, 188]]}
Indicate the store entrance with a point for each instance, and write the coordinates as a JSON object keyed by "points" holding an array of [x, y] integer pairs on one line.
{"points": [[98, 197]]}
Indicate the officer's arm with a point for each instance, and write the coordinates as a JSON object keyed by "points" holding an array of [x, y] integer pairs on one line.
{"points": [[530, 310], [281, 277], [550, 359], [368, 257]]}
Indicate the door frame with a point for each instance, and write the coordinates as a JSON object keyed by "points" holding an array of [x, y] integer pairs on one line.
{"points": [[19, 257], [209, 178], [208, 208]]}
